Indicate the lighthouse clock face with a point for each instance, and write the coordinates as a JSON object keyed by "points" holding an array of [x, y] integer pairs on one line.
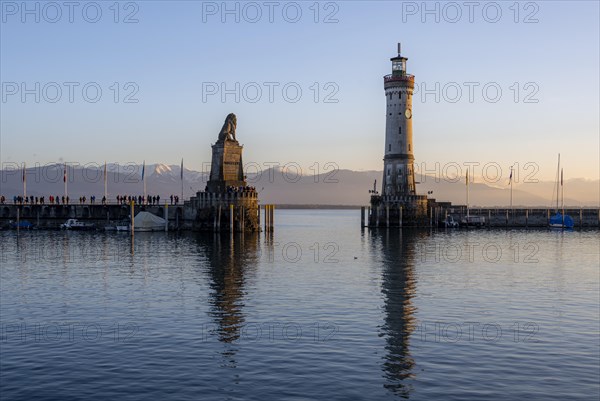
{"points": [[408, 113]]}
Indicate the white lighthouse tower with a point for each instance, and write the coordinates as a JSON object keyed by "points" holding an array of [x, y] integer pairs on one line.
{"points": [[398, 204], [398, 170]]}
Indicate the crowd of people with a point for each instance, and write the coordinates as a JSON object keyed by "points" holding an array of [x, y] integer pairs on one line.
{"points": [[37, 200], [65, 200], [247, 188]]}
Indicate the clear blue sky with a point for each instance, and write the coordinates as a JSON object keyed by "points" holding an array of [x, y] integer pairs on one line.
{"points": [[175, 49]]}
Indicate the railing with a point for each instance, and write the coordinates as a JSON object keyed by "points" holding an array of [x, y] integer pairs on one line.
{"points": [[399, 78]]}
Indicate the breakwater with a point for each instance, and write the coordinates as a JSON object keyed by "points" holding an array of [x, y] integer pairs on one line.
{"points": [[496, 217]]}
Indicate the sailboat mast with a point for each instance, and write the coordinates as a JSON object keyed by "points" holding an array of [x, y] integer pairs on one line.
{"points": [[467, 192], [562, 192], [557, 172]]}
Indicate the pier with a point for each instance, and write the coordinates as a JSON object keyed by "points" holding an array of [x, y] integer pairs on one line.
{"points": [[496, 217]]}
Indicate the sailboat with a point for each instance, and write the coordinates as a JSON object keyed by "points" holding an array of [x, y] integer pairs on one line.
{"points": [[560, 220], [469, 220]]}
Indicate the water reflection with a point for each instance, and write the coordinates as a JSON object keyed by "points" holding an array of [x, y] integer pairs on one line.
{"points": [[230, 259], [397, 251]]}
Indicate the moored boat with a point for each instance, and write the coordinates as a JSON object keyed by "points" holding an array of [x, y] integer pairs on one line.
{"points": [[74, 224]]}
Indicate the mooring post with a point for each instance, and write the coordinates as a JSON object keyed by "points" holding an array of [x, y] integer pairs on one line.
{"points": [[215, 220], [132, 216], [526, 217], [242, 221], [580, 217], [431, 216], [231, 217], [362, 216], [18, 218], [387, 215], [272, 217], [267, 217], [219, 219], [547, 216], [166, 217], [377, 216], [489, 218], [401, 211], [506, 217]]}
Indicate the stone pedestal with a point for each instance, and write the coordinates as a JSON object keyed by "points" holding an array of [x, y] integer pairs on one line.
{"points": [[226, 167]]}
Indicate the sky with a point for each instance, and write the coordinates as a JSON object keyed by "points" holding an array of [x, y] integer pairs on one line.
{"points": [[498, 83]]}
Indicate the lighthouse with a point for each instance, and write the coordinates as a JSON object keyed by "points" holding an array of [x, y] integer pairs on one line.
{"points": [[398, 204], [398, 161]]}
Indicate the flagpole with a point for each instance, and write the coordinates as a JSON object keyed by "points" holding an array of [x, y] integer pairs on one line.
{"points": [[144, 179], [24, 180], [467, 192], [511, 190], [181, 173], [105, 184], [65, 179]]}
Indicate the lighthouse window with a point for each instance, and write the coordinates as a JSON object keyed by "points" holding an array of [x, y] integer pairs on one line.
{"points": [[409, 147], [389, 147], [399, 130], [399, 95]]}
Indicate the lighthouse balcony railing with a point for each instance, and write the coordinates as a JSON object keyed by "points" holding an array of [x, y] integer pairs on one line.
{"points": [[395, 78]]}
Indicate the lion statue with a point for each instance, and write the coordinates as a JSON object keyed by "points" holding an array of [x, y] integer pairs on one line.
{"points": [[228, 131]]}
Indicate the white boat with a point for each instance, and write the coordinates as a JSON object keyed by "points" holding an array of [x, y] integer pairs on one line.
{"points": [[120, 226], [146, 221], [473, 221], [74, 224], [450, 222], [470, 220]]}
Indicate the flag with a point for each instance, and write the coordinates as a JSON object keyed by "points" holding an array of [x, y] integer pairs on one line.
{"points": [[65, 173], [510, 178], [143, 169], [24, 172], [181, 169]]}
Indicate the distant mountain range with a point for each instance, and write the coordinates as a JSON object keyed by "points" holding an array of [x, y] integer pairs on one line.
{"points": [[342, 187]]}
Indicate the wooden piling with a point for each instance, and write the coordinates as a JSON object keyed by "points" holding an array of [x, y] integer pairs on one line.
{"points": [[219, 219], [362, 216], [132, 216], [387, 216], [401, 212]]}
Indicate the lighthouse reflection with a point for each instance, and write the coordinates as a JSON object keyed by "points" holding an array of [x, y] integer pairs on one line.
{"points": [[397, 249]]}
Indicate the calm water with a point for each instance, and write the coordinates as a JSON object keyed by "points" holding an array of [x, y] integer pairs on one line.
{"points": [[318, 311]]}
